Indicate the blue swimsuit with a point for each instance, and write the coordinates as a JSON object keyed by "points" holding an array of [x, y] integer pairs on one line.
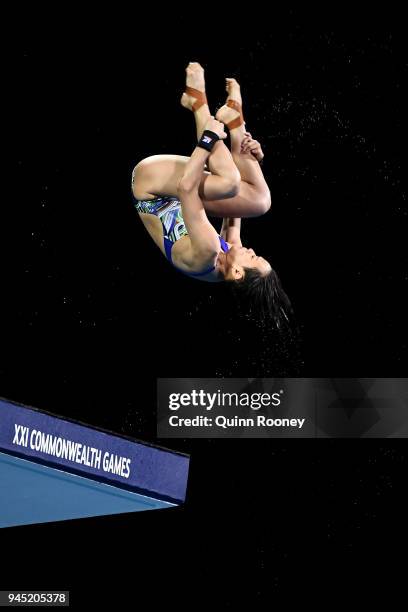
{"points": [[168, 209]]}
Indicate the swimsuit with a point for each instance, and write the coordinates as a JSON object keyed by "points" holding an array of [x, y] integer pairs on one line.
{"points": [[168, 210]]}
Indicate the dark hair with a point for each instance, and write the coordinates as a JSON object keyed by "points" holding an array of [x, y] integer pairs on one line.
{"points": [[265, 294]]}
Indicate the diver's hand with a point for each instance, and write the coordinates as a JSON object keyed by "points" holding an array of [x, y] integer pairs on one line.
{"points": [[249, 145]]}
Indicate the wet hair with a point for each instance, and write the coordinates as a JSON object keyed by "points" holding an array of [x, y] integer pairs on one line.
{"points": [[264, 293]]}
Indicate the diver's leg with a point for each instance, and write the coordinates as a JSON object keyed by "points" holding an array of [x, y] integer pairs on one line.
{"points": [[254, 186], [196, 80], [161, 174], [224, 172], [253, 197]]}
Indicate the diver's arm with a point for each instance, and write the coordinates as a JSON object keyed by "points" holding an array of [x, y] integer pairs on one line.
{"points": [[231, 231], [204, 238]]}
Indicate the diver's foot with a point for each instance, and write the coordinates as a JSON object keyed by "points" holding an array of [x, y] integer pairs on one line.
{"points": [[233, 89], [195, 85], [231, 113]]}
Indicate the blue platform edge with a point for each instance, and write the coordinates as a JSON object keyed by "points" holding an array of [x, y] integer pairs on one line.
{"points": [[44, 446], [31, 493]]}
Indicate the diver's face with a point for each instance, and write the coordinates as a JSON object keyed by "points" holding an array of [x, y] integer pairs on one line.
{"points": [[238, 258]]}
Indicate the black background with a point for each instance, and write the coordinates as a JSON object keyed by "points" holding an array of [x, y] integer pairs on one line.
{"points": [[93, 313]]}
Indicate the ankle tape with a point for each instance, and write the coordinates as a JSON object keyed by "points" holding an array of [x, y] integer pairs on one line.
{"points": [[208, 140]]}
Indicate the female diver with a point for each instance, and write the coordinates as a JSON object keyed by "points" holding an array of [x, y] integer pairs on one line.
{"points": [[173, 194]]}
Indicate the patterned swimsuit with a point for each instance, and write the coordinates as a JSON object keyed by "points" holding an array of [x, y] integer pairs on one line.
{"points": [[168, 210]]}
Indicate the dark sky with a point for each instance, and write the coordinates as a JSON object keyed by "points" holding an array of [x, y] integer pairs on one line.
{"points": [[93, 313]]}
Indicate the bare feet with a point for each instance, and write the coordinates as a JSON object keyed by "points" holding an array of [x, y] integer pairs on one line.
{"points": [[227, 114], [194, 79]]}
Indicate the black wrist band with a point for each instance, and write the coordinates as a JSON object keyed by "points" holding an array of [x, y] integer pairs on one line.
{"points": [[208, 140]]}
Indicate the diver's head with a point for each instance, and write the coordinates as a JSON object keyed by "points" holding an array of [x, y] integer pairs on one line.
{"points": [[254, 278], [233, 264]]}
